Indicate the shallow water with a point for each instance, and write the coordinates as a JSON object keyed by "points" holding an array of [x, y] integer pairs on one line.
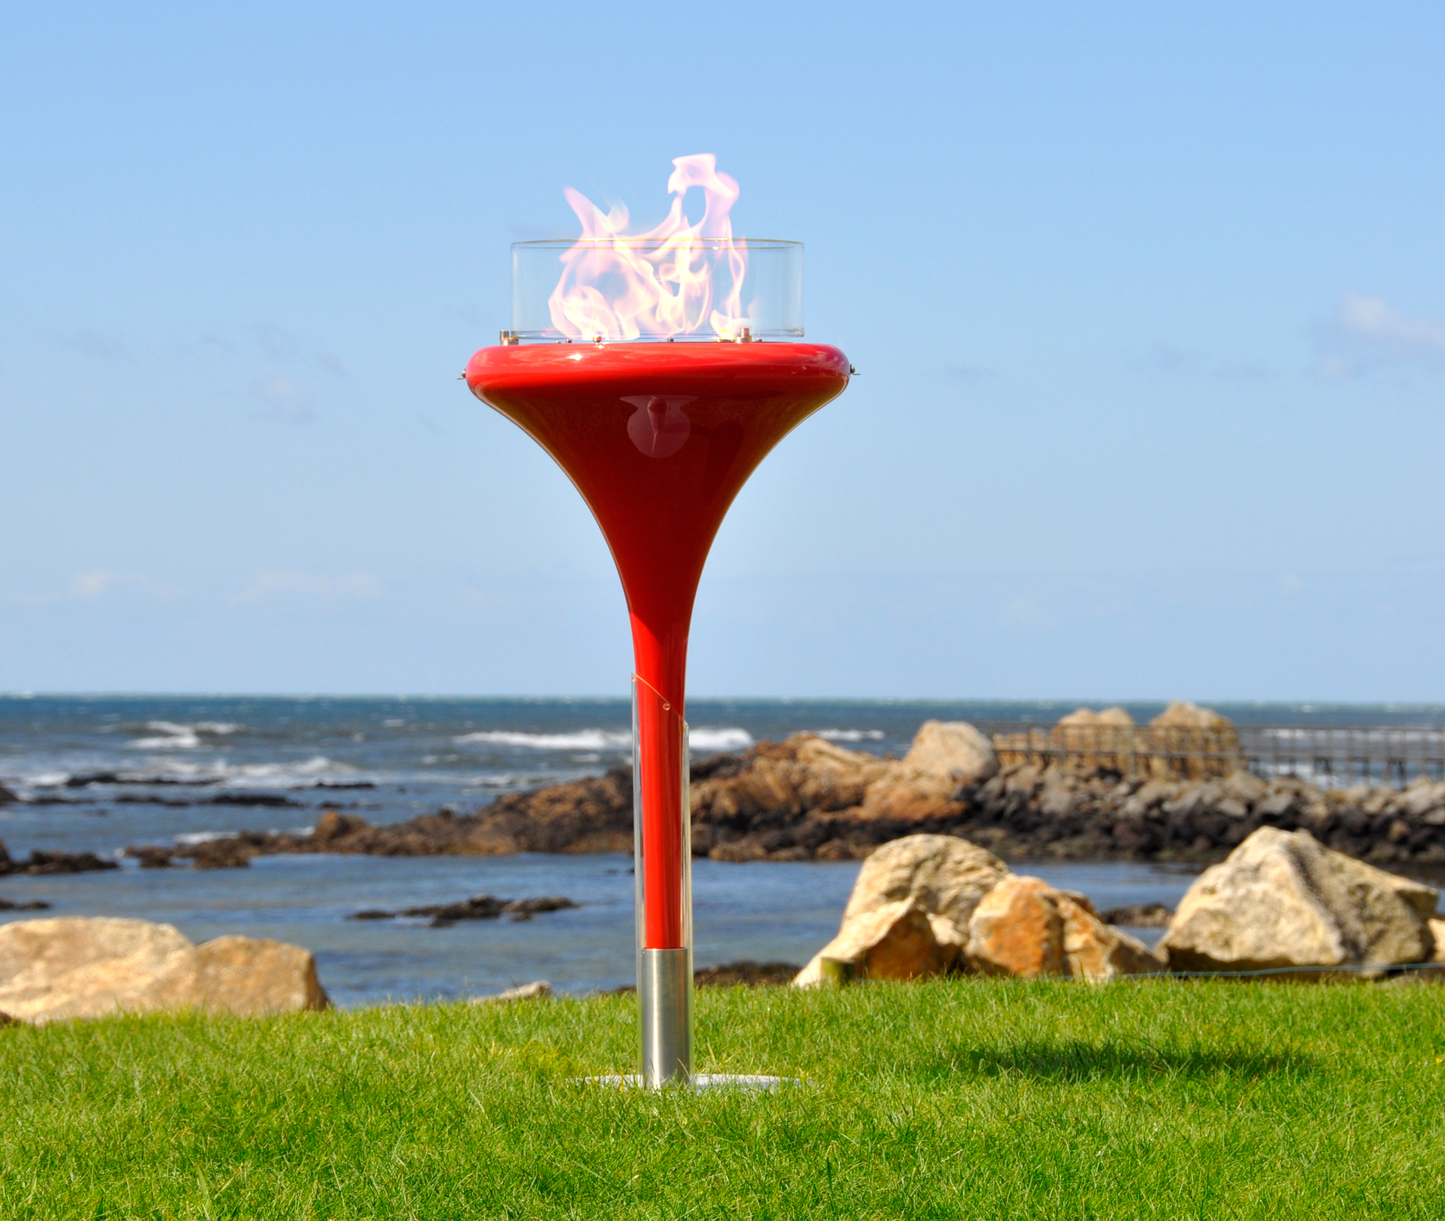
{"points": [[763, 911], [93, 771]]}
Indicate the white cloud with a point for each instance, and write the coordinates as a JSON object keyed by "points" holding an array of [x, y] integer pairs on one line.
{"points": [[100, 583], [287, 402], [289, 583], [1366, 334]]}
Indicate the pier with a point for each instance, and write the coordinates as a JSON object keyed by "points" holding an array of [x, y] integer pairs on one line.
{"points": [[1327, 756]]}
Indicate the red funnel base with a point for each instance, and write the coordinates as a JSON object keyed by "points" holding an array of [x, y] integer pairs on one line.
{"points": [[659, 438]]}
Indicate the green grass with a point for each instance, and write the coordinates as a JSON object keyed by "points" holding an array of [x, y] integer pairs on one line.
{"points": [[956, 1098]]}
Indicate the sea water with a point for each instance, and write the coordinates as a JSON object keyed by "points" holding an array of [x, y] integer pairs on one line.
{"points": [[99, 774]]}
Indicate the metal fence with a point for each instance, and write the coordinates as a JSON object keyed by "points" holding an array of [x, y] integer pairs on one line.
{"points": [[1332, 757]]}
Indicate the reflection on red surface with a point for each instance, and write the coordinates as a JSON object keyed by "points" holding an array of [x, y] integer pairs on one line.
{"points": [[659, 438]]}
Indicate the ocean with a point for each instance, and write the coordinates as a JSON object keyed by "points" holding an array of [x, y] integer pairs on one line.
{"points": [[100, 773]]}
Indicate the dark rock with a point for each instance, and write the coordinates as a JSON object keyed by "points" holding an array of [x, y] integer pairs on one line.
{"points": [[86, 779], [478, 907], [747, 974], [550, 903], [46, 863], [1138, 915], [35, 905], [333, 825], [7, 797], [230, 853], [804, 799], [270, 801], [151, 856]]}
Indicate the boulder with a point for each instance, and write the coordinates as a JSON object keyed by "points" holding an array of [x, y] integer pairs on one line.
{"points": [[943, 876], [1018, 930], [1026, 928], [1181, 714], [1193, 742], [1117, 718], [1092, 740], [251, 976], [946, 875], [946, 757], [1097, 951], [894, 941], [89, 967], [227, 853], [953, 751], [1281, 899], [834, 778]]}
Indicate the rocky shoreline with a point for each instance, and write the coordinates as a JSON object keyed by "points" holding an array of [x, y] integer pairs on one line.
{"points": [[808, 799]]}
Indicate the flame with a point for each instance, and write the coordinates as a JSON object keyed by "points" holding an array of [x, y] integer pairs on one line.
{"points": [[673, 280]]}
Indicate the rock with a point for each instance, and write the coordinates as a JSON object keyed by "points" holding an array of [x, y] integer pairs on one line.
{"points": [[1027, 929], [746, 974], [946, 875], [946, 757], [7, 797], [1117, 718], [529, 907], [252, 977], [230, 853], [834, 778], [537, 990], [1096, 951], [1138, 915], [83, 968], [35, 905], [444, 915], [46, 863], [1193, 742], [151, 856], [333, 825], [1281, 899], [1018, 930], [270, 801], [1096, 740], [951, 750], [1437, 934], [478, 907], [942, 875], [894, 941]]}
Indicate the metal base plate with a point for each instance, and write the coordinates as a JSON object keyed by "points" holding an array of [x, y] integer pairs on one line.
{"points": [[698, 1081]]}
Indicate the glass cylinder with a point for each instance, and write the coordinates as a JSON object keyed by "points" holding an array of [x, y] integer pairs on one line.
{"points": [[684, 287]]}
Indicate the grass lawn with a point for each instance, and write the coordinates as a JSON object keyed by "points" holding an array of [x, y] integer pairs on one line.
{"points": [[954, 1098]]}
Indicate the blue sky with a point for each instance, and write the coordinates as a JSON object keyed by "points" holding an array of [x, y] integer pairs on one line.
{"points": [[1147, 300]]}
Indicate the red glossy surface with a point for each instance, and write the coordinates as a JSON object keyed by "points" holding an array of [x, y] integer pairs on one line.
{"points": [[659, 438]]}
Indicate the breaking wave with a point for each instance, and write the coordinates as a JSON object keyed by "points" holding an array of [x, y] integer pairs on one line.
{"points": [[582, 739], [172, 735], [592, 740]]}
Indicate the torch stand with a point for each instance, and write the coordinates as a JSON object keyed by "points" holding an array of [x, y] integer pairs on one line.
{"points": [[661, 837]]}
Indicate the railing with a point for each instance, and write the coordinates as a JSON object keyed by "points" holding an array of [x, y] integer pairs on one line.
{"points": [[1328, 757]]}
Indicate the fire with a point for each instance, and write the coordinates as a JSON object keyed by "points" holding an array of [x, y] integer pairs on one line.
{"points": [[676, 279]]}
